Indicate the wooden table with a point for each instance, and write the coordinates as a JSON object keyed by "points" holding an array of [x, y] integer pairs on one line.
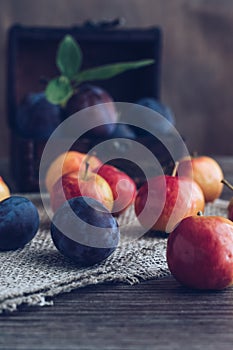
{"points": [[158, 314]]}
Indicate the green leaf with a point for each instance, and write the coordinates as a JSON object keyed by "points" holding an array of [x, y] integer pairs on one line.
{"points": [[109, 71], [69, 57], [59, 90]]}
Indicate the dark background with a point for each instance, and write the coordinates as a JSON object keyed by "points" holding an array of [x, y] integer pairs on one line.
{"points": [[197, 61]]}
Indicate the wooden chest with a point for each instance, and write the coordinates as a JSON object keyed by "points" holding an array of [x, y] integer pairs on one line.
{"points": [[31, 56]]}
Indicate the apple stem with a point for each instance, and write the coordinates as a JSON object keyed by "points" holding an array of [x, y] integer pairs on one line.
{"points": [[194, 154], [86, 169], [89, 156], [175, 169], [227, 183]]}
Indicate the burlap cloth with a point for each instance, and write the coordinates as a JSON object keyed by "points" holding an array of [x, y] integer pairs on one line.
{"points": [[36, 273]]}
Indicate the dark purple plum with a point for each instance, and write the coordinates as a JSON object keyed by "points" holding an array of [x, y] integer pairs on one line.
{"points": [[123, 131], [150, 121], [19, 222], [105, 116], [36, 117], [83, 230]]}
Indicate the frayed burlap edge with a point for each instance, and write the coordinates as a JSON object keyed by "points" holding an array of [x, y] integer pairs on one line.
{"points": [[144, 266]]}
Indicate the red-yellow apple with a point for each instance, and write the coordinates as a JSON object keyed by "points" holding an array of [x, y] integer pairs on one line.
{"points": [[82, 183], [123, 187], [206, 172], [4, 190], [230, 205], [230, 210], [66, 163], [171, 199], [200, 252]]}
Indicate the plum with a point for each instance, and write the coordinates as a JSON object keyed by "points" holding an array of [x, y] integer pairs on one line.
{"points": [[105, 116], [123, 131], [19, 222], [155, 124], [83, 230], [36, 117]]}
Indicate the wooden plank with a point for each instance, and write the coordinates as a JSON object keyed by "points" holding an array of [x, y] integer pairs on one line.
{"points": [[158, 314]]}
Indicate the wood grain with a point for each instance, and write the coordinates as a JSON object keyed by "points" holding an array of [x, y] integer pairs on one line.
{"points": [[154, 315]]}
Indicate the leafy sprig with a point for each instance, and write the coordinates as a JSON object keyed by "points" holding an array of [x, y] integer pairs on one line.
{"points": [[69, 60]]}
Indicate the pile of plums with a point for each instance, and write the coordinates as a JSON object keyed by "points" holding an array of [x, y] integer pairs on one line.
{"points": [[37, 118]]}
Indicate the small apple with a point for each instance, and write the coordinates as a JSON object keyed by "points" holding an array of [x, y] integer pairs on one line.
{"points": [[230, 205], [200, 252], [165, 200], [4, 190], [82, 183], [68, 162], [123, 187], [207, 173], [230, 209]]}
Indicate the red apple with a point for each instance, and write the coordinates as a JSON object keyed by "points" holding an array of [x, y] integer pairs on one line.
{"points": [[206, 172], [4, 190], [230, 205], [82, 183], [165, 200], [200, 252], [123, 187], [230, 209]]}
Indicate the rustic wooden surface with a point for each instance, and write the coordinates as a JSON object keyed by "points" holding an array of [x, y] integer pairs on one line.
{"points": [[158, 314]]}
